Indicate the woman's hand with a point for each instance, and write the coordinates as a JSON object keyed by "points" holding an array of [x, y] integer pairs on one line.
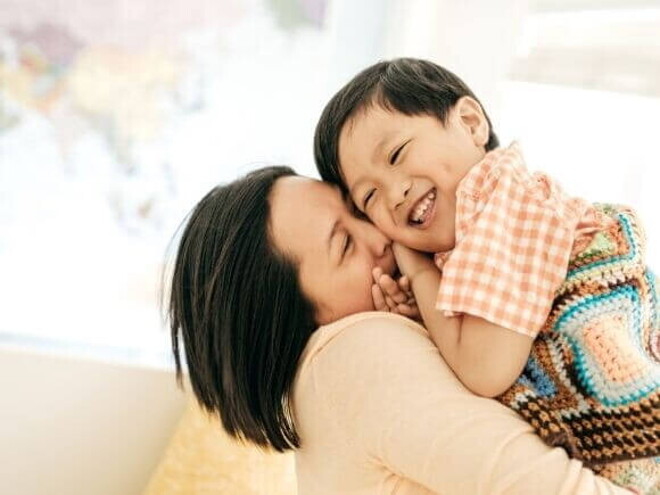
{"points": [[393, 296]]}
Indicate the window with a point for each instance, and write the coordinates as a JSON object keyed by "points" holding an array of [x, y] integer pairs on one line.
{"points": [[115, 118], [583, 96]]}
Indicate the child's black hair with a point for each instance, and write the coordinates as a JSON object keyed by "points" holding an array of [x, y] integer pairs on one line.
{"points": [[406, 85]]}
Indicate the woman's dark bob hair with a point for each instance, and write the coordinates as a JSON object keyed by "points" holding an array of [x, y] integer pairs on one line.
{"points": [[237, 306], [406, 85]]}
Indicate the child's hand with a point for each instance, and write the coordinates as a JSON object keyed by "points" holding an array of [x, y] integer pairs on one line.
{"points": [[393, 296], [412, 262]]}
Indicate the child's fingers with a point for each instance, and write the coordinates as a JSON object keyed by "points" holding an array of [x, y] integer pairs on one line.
{"points": [[404, 283], [391, 303], [409, 310], [392, 289], [376, 273], [379, 298], [404, 309]]}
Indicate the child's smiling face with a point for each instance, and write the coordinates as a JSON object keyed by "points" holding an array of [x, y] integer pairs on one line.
{"points": [[402, 171]]}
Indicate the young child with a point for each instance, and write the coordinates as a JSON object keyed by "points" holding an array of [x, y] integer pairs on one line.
{"points": [[532, 296]]}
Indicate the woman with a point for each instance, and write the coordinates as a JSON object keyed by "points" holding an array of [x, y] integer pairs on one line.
{"points": [[365, 400]]}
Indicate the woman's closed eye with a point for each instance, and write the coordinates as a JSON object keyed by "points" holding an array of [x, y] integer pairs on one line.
{"points": [[348, 242]]}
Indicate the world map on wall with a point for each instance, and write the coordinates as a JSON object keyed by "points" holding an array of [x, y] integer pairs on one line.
{"points": [[115, 118], [118, 76]]}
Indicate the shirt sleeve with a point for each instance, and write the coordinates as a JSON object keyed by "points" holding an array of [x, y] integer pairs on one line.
{"points": [[396, 401], [514, 236]]}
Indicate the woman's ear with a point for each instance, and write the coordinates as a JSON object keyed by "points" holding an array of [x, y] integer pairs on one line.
{"points": [[473, 119]]}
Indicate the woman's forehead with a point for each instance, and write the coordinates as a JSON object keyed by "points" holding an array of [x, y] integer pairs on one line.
{"points": [[303, 212], [306, 192]]}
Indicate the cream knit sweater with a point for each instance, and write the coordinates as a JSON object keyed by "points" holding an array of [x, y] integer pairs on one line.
{"points": [[379, 412]]}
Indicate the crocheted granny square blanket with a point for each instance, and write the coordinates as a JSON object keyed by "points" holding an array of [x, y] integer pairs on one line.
{"points": [[592, 382]]}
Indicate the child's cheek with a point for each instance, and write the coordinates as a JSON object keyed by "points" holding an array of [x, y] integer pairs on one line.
{"points": [[385, 224]]}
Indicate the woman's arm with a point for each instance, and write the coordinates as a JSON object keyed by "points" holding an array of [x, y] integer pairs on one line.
{"points": [[393, 398], [486, 357]]}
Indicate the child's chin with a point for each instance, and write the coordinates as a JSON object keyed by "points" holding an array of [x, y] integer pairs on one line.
{"points": [[438, 247]]}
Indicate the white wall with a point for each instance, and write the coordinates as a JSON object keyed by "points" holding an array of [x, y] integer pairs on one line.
{"points": [[476, 40], [76, 427]]}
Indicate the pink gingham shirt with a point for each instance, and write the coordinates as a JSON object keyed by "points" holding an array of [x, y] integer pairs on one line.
{"points": [[515, 232]]}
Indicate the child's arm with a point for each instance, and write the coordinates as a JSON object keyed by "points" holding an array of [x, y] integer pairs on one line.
{"points": [[486, 357]]}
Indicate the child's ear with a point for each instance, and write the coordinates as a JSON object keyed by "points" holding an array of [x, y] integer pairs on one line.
{"points": [[472, 116]]}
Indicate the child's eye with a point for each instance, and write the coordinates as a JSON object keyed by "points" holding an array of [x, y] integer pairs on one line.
{"points": [[356, 211], [397, 152], [367, 198]]}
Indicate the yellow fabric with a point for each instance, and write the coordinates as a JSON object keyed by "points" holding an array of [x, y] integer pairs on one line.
{"points": [[201, 459]]}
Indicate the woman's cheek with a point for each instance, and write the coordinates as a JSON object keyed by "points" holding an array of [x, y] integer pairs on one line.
{"points": [[361, 299], [367, 299]]}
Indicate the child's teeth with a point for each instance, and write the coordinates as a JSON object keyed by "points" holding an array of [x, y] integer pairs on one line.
{"points": [[423, 205]]}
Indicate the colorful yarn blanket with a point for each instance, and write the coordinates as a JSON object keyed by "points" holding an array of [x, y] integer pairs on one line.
{"points": [[592, 382]]}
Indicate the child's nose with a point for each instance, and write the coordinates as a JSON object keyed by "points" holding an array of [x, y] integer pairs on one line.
{"points": [[398, 192]]}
